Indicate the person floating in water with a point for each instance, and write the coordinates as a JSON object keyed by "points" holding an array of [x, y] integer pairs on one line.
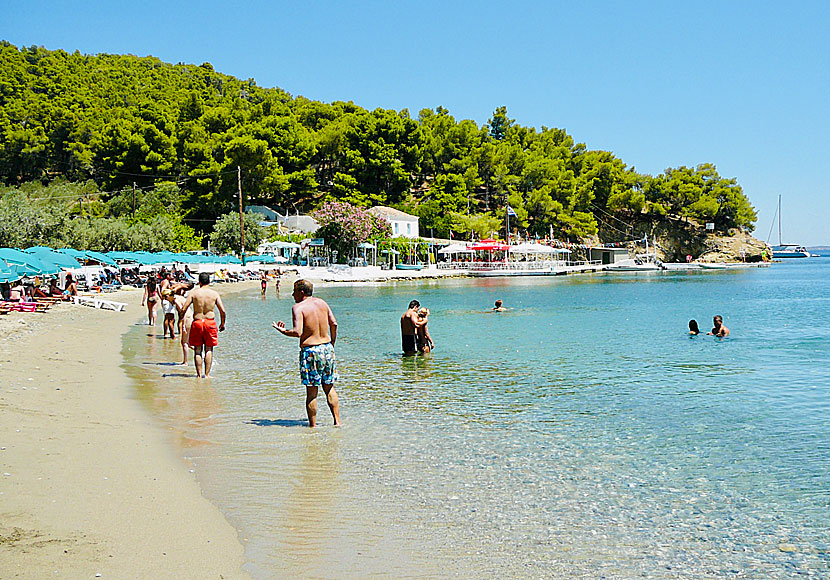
{"points": [[422, 337], [719, 329], [498, 307], [694, 329]]}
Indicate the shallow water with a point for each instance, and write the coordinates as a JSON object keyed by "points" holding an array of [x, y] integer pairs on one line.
{"points": [[582, 433]]}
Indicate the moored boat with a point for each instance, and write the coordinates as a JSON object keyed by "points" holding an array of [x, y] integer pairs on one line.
{"points": [[790, 251]]}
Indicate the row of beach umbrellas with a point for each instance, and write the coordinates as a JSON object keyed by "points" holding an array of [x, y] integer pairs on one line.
{"points": [[44, 261]]}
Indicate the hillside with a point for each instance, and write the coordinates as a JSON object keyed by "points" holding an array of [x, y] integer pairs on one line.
{"points": [[120, 120]]}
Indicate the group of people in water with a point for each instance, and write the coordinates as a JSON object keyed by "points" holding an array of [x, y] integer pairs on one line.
{"points": [[718, 329], [313, 323]]}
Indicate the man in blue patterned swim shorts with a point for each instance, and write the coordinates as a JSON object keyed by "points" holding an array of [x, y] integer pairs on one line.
{"points": [[316, 327]]}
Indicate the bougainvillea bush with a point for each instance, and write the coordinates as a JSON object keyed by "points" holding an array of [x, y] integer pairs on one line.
{"points": [[344, 226]]}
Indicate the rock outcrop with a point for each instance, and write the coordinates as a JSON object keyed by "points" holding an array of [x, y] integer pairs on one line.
{"points": [[675, 239]]}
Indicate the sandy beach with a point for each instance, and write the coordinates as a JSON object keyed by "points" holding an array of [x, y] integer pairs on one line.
{"points": [[89, 485]]}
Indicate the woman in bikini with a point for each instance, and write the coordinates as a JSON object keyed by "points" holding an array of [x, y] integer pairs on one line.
{"points": [[151, 298]]}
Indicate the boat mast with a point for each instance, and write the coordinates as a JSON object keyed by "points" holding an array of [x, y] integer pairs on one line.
{"points": [[779, 219]]}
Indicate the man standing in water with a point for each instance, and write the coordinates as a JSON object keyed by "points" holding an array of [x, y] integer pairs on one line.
{"points": [[203, 332], [409, 324], [314, 324], [719, 329]]}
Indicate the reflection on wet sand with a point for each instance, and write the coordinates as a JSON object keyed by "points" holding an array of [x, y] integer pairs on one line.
{"points": [[171, 391], [309, 514]]}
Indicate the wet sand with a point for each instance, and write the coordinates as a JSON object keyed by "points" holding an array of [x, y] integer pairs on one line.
{"points": [[90, 485]]}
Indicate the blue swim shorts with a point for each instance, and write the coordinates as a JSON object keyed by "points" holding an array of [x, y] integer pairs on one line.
{"points": [[318, 365]]}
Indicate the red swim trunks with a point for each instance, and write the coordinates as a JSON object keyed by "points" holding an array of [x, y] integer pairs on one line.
{"points": [[204, 332]]}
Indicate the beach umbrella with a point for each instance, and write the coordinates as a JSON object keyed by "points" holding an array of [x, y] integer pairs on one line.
{"points": [[8, 273], [59, 259], [77, 254], [100, 258], [28, 264]]}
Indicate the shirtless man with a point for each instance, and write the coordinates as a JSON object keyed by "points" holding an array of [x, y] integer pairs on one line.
{"points": [[409, 325], [719, 329], [314, 324], [203, 331]]}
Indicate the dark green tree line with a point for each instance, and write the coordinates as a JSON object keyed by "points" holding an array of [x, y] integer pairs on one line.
{"points": [[115, 120]]}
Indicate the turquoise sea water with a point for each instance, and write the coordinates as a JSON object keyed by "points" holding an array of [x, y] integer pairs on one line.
{"points": [[581, 434]]}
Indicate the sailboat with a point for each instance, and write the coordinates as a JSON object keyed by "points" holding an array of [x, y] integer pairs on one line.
{"points": [[640, 263], [787, 250]]}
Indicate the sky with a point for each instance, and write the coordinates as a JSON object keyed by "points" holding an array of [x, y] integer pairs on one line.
{"points": [[743, 85]]}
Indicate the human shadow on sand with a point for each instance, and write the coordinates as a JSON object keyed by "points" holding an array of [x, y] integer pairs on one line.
{"points": [[278, 422]]}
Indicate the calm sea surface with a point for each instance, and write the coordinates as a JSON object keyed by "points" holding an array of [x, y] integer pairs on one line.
{"points": [[581, 434]]}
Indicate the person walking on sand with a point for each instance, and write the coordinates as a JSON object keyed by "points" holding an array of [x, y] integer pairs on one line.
{"points": [[409, 325], [719, 329], [185, 318], [151, 297], [314, 324], [168, 307], [203, 331]]}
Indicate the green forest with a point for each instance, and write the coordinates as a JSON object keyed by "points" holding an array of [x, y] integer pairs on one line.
{"points": [[153, 148]]}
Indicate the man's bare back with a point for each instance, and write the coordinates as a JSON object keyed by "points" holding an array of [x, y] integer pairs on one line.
{"points": [[204, 301]]}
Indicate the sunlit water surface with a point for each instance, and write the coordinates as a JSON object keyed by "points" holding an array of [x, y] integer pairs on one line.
{"points": [[582, 433]]}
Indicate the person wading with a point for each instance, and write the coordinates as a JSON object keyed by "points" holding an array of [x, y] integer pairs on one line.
{"points": [[314, 324]]}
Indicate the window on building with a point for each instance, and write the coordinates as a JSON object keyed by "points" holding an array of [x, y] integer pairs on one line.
{"points": [[408, 228], [396, 227]]}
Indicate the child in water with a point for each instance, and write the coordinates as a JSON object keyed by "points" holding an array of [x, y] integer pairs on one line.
{"points": [[693, 327], [422, 337]]}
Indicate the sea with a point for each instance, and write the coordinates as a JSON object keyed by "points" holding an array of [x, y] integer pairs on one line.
{"points": [[583, 433]]}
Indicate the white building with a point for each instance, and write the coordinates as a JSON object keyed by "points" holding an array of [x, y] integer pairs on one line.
{"points": [[403, 224], [285, 223]]}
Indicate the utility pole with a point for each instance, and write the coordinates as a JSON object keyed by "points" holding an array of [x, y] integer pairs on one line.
{"points": [[241, 220], [133, 199]]}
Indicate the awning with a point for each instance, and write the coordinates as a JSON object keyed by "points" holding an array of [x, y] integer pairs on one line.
{"points": [[489, 245], [454, 249]]}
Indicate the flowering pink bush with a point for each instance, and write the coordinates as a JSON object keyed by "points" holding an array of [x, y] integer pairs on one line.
{"points": [[344, 226]]}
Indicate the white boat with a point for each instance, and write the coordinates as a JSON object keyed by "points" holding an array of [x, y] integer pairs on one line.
{"points": [[635, 265], [713, 265], [790, 251], [640, 263], [787, 250]]}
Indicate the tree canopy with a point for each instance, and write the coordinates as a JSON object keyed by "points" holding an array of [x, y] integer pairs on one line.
{"points": [[112, 121]]}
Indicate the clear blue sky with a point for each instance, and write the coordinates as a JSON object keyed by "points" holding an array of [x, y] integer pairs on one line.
{"points": [[743, 85]]}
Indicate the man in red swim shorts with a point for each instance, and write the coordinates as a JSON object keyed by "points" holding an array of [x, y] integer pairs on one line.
{"points": [[203, 331]]}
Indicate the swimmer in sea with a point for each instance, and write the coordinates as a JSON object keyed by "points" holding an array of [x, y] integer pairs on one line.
{"points": [[719, 329], [497, 307], [693, 327]]}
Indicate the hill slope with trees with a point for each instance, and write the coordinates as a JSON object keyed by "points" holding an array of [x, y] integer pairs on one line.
{"points": [[106, 124]]}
